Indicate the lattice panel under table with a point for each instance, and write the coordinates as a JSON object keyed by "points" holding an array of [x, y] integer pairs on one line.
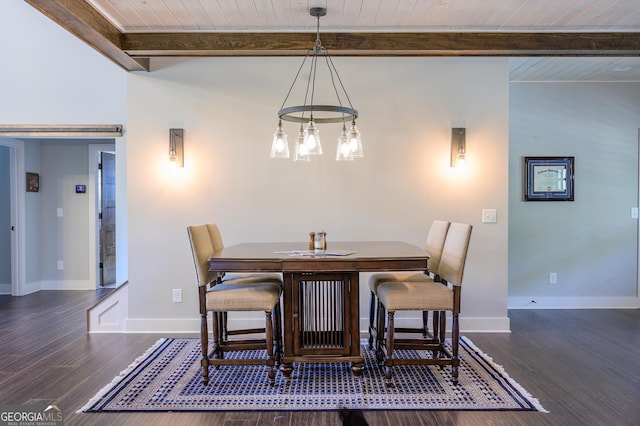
{"points": [[322, 312]]}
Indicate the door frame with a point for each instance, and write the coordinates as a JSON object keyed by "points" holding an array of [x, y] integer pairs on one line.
{"points": [[17, 212]]}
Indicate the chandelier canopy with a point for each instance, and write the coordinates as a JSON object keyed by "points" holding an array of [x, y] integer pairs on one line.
{"points": [[308, 142]]}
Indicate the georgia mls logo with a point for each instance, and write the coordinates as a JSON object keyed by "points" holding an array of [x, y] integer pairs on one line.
{"points": [[30, 415]]}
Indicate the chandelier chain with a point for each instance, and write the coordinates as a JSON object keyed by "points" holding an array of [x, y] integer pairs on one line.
{"points": [[294, 81]]}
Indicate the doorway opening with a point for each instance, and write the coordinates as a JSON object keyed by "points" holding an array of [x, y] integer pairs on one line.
{"points": [[102, 238]]}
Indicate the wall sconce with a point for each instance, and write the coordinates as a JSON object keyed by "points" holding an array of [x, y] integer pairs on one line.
{"points": [[176, 147], [458, 146]]}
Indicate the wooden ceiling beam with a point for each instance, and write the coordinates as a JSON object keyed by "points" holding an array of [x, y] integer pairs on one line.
{"points": [[383, 44]]}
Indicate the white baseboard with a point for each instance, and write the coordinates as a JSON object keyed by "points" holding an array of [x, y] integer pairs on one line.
{"points": [[5, 288], [32, 287], [533, 302]]}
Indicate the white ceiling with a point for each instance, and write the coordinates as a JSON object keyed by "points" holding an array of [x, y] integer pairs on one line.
{"points": [[372, 15], [132, 16]]}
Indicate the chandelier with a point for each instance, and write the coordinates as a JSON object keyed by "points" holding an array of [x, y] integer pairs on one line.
{"points": [[307, 142]]}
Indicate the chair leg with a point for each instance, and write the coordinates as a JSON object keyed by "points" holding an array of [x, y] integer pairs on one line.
{"points": [[425, 324], [277, 321], [372, 318], [455, 337], [443, 331], [269, 341], [388, 373], [223, 326], [380, 332], [204, 343], [436, 332], [216, 320]]}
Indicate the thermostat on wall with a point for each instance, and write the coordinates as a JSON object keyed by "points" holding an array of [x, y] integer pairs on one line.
{"points": [[81, 189]]}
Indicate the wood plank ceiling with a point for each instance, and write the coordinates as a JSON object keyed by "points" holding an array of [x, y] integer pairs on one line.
{"points": [[547, 40]]}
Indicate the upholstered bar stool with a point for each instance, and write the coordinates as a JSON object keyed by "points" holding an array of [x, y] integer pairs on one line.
{"points": [[220, 298], [240, 278], [427, 295], [433, 247]]}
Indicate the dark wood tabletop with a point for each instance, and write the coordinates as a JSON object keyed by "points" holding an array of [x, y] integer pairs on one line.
{"points": [[277, 257]]}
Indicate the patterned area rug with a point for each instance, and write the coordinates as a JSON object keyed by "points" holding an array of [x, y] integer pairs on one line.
{"points": [[167, 378]]}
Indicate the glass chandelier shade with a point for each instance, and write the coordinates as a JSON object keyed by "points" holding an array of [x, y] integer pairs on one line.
{"points": [[342, 152], [308, 141], [280, 145], [301, 151], [349, 144], [312, 138]]}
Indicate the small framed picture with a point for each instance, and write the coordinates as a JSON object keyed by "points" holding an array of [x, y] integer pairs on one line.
{"points": [[33, 182], [548, 178], [81, 189]]}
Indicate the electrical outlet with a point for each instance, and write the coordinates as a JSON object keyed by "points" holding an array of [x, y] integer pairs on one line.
{"points": [[177, 295], [553, 278], [60, 265]]}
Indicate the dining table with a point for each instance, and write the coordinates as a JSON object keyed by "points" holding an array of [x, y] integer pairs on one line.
{"points": [[321, 291]]}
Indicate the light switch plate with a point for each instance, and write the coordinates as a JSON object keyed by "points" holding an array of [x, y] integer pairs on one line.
{"points": [[634, 212], [489, 216], [59, 212]]}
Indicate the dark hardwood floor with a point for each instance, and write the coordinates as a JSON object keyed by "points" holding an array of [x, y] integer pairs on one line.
{"points": [[583, 366]]}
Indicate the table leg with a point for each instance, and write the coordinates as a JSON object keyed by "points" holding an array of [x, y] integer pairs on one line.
{"points": [[356, 368], [287, 369], [288, 331]]}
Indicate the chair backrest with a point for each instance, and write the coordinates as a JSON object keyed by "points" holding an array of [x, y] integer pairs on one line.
{"points": [[454, 253], [202, 250], [216, 237], [216, 242], [435, 243]]}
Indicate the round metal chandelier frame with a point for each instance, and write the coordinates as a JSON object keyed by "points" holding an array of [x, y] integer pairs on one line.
{"points": [[346, 113], [337, 113]]}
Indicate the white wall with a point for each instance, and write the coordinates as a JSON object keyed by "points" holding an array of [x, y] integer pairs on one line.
{"points": [[48, 76], [228, 106], [591, 243], [65, 164]]}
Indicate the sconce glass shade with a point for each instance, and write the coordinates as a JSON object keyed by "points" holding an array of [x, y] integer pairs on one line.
{"points": [[460, 159], [301, 151], [280, 144], [173, 158]]}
